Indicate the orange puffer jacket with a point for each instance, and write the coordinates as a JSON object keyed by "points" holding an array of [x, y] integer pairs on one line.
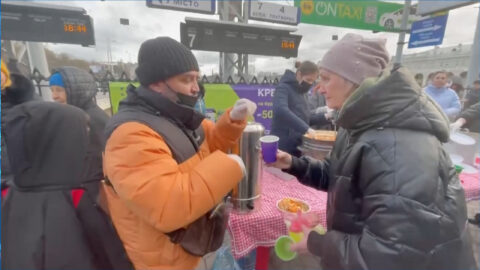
{"points": [[152, 194]]}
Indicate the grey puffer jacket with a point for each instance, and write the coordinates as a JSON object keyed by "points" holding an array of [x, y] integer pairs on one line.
{"points": [[81, 89], [394, 199]]}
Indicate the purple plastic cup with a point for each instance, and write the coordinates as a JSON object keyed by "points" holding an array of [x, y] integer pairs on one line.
{"points": [[269, 146]]}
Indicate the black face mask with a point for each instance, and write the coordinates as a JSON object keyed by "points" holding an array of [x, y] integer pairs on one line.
{"points": [[304, 87], [187, 100]]}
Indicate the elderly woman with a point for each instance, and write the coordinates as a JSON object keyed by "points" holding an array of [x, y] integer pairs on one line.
{"points": [[394, 200]]}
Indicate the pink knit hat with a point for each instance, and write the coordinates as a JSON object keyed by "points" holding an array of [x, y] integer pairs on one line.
{"points": [[356, 58]]}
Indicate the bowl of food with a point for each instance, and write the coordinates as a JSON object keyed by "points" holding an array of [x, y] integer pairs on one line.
{"points": [[320, 138], [292, 205], [318, 144]]}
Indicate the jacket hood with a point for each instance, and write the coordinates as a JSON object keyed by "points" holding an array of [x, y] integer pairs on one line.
{"points": [[80, 86], [49, 142], [393, 100]]}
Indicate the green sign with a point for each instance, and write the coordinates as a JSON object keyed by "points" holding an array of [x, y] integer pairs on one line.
{"points": [[366, 15], [118, 91], [218, 98]]}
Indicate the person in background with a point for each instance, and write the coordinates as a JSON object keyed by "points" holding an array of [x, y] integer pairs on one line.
{"points": [[469, 118], [46, 222], [6, 82], [445, 97], [16, 89], [394, 198], [317, 105], [473, 95], [291, 115], [457, 86], [76, 87], [200, 105], [166, 165]]}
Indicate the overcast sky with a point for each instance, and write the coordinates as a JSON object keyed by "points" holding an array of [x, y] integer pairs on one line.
{"points": [[147, 23]]}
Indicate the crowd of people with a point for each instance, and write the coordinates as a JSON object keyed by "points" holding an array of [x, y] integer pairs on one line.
{"points": [[145, 189]]}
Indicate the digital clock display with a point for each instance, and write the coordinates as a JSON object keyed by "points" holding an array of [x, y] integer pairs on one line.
{"points": [[207, 35], [75, 28], [288, 44], [36, 22]]}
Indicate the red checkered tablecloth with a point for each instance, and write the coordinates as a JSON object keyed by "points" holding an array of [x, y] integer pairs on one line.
{"points": [[263, 227], [471, 185]]}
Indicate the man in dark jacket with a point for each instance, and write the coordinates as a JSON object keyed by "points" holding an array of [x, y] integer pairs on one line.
{"points": [[394, 199], [473, 95], [44, 225], [469, 118], [77, 87], [291, 114]]}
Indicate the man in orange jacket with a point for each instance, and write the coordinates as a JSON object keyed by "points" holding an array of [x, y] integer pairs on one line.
{"points": [[165, 163]]}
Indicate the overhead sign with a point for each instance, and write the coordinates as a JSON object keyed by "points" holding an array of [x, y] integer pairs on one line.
{"points": [[230, 37], [36, 22], [198, 6], [428, 32], [270, 12], [366, 15], [428, 7]]}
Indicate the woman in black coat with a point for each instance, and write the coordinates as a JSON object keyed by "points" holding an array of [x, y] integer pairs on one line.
{"points": [[48, 221], [394, 199], [291, 115]]}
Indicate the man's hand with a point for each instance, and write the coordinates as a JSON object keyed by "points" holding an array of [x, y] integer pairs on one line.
{"points": [[242, 109]]}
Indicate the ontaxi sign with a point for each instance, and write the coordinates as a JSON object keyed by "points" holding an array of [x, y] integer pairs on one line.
{"points": [[366, 15], [198, 6], [428, 32], [270, 12]]}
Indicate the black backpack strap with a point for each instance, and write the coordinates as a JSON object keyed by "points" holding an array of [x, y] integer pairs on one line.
{"points": [[182, 143]]}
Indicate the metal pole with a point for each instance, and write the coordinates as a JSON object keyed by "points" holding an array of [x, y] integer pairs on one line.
{"points": [[227, 60], [245, 56], [38, 59], [401, 36], [473, 69]]}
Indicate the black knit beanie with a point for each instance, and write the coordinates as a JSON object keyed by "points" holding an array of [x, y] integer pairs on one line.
{"points": [[161, 58]]}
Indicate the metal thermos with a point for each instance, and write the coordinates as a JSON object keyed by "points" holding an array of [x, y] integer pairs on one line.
{"points": [[245, 197]]}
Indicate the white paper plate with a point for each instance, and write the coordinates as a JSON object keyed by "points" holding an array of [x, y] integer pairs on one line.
{"points": [[456, 159], [468, 169], [461, 138]]}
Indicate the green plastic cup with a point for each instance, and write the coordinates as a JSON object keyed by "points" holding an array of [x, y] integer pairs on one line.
{"points": [[296, 237], [458, 169], [282, 248]]}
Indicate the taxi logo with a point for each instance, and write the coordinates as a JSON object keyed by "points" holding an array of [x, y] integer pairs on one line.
{"points": [[307, 6]]}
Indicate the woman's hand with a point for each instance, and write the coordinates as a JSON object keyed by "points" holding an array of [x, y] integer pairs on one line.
{"points": [[284, 161]]}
